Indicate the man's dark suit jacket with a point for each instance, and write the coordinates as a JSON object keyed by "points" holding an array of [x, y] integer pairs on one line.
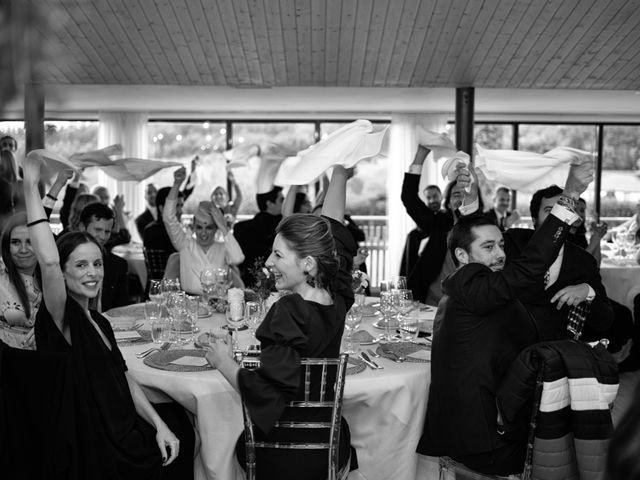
{"points": [[255, 237], [484, 327], [115, 286], [578, 266], [156, 237], [493, 216], [436, 226], [142, 220]]}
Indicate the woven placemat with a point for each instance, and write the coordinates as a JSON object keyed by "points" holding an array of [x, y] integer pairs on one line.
{"points": [[355, 366], [136, 311], [162, 360], [404, 349], [146, 338], [363, 337]]}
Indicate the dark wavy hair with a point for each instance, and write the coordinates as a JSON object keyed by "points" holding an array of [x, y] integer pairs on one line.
{"points": [[16, 220], [536, 200], [310, 235]]}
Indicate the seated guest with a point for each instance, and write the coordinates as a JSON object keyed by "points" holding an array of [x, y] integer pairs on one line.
{"points": [[500, 213], [311, 257], [155, 236], [256, 235], [119, 232], [202, 251], [20, 294], [482, 327], [103, 194], [79, 202], [150, 213], [120, 434], [97, 219], [434, 263], [73, 188], [574, 274]]}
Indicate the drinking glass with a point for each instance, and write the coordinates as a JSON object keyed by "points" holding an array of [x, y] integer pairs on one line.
{"points": [[389, 306], [221, 276], [351, 323], [192, 303], [207, 283], [398, 282], [405, 300], [253, 315], [385, 285], [160, 330], [155, 291]]}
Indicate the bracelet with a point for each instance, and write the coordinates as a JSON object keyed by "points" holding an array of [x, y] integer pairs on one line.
{"points": [[568, 202], [35, 222], [55, 199]]}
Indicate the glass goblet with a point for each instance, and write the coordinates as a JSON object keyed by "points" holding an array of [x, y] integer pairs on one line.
{"points": [[352, 321]]}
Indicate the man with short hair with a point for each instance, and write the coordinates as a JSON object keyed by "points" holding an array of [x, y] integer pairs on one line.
{"points": [[97, 219], [150, 213], [482, 326], [500, 213], [255, 236]]}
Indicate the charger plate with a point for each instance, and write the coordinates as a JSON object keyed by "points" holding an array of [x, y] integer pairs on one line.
{"points": [[355, 366], [404, 349], [145, 338], [162, 360]]}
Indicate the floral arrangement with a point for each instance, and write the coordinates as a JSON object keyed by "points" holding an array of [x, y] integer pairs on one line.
{"points": [[359, 281], [264, 281]]}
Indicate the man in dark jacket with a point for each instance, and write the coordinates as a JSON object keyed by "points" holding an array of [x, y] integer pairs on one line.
{"points": [[482, 326], [255, 236], [155, 236], [97, 219], [150, 213]]}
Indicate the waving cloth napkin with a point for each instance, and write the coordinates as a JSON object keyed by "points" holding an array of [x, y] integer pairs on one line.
{"points": [[526, 171], [346, 146], [443, 148], [239, 156], [123, 169]]}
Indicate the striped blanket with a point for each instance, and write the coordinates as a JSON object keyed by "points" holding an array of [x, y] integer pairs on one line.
{"points": [[573, 425]]}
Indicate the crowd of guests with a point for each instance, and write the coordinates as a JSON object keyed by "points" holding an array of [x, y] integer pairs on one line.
{"points": [[500, 290]]}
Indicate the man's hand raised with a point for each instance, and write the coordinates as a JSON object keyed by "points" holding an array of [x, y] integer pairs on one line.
{"points": [[579, 178]]}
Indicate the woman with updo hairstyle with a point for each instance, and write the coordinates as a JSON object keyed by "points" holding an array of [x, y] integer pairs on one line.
{"points": [[311, 259]]}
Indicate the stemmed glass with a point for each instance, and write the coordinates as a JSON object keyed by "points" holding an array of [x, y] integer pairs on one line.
{"points": [[221, 276], [398, 282], [351, 323], [253, 315], [389, 306], [155, 291], [207, 283], [405, 306]]}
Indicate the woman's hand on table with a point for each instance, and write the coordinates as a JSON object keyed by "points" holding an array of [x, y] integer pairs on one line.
{"points": [[218, 350], [168, 443]]}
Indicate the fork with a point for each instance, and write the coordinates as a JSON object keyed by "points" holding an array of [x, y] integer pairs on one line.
{"points": [[165, 346]]}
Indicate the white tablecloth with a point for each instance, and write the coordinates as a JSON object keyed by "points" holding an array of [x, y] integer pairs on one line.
{"points": [[385, 410], [621, 279]]}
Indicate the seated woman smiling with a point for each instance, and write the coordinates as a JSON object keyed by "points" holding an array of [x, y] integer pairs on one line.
{"points": [[312, 258], [203, 251]]}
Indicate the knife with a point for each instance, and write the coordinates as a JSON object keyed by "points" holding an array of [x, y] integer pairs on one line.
{"points": [[365, 358]]}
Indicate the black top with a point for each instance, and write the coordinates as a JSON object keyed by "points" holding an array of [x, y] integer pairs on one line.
{"points": [[295, 328], [156, 237], [255, 237], [115, 442]]}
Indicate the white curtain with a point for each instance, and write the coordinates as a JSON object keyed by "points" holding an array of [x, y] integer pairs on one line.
{"points": [[402, 148], [130, 130]]}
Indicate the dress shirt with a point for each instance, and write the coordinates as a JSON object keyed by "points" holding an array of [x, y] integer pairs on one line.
{"points": [[192, 256]]}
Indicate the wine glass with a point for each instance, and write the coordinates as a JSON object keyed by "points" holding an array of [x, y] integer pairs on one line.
{"points": [[221, 276], [398, 282], [155, 291], [389, 305], [408, 325], [351, 323], [253, 315], [207, 282]]}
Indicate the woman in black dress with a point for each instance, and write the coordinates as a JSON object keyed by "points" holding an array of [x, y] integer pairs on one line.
{"points": [[119, 434], [312, 258]]}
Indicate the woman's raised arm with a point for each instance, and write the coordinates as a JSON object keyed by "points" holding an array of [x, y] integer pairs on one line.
{"points": [[53, 287], [335, 200]]}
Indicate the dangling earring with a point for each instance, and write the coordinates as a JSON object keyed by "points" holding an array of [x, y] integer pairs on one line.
{"points": [[311, 280]]}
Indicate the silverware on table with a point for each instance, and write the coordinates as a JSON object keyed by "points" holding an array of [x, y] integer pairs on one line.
{"points": [[398, 358], [372, 353], [370, 362], [165, 346]]}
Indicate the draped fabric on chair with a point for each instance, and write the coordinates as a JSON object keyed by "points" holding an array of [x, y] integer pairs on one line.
{"points": [[37, 421], [129, 129], [402, 148]]}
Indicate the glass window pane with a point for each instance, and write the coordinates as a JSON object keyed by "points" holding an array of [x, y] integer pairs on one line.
{"points": [[542, 138], [620, 187], [493, 136], [290, 138], [182, 142]]}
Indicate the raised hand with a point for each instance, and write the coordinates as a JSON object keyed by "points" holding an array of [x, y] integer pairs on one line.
{"points": [[31, 168], [218, 217], [179, 175], [118, 203], [579, 178]]}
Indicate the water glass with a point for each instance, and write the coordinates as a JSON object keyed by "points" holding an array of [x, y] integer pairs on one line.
{"points": [[221, 276], [155, 291], [152, 310], [352, 321], [207, 282], [389, 307], [398, 282], [160, 330], [409, 327], [253, 315]]}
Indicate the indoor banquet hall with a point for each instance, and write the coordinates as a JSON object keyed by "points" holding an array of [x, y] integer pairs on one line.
{"points": [[332, 239]]}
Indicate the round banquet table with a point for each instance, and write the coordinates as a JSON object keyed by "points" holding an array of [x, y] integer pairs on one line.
{"points": [[621, 278], [385, 410]]}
